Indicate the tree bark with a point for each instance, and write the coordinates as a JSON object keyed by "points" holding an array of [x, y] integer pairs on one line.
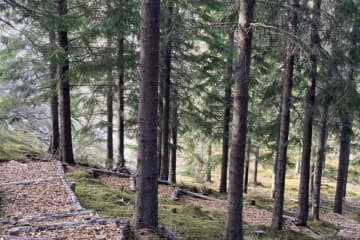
{"points": [[227, 112], [121, 113], [256, 161], [346, 132], [320, 159], [247, 165], [353, 53], [165, 76], [303, 203], [174, 129], [160, 123], [276, 155], [209, 167], [234, 222], [298, 162], [277, 218], [64, 91], [146, 204], [312, 172], [110, 115], [54, 103]]}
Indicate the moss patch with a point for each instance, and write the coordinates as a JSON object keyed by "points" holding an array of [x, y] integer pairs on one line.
{"points": [[323, 228], [17, 145], [186, 220]]}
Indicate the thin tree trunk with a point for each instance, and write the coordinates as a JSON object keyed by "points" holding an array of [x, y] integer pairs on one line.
{"points": [[234, 222], [312, 171], [64, 92], [54, 103], [227, 112], [209, 168], [110, 115], [121, 113], [346, 131], [303, 203], [165, 75], [353, 53], [277, 218], [174, 129], [247, 165], [256, 161], [320, 159], [146, 204]]}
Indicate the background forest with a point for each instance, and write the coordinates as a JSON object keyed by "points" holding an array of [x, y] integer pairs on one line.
{"points": [[69, 86]]}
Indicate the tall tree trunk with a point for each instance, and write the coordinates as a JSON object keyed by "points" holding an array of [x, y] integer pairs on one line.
{"points": [[234, 222], [247, 164], [256, 161], [277, 219], [165, 74], [346, 131], [54, 103], [64, 92], [298, 162], [146, 204], [121, 113], [109, 113], [159, 130], [160, 123], [174, 129], [312, 170], [276, 154], [226, 130], [353, 55], [320, 158], [346, 176], [303, 203], [209, 167]]}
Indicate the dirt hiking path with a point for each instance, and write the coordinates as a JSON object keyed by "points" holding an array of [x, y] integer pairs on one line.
{"points": [[38, 203]]}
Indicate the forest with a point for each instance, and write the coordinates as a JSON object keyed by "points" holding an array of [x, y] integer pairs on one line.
{"points": [[179, 119]]}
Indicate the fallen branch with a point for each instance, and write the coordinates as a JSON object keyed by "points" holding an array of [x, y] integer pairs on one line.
{"points": [[67, 186], [29, 182], [46, 217], [8, 237], [98, 171], [178, 192], [58, 226], [351, 226]]}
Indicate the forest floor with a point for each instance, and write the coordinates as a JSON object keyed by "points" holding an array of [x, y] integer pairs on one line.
{"points": [[194, 218], [36, 202]]}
